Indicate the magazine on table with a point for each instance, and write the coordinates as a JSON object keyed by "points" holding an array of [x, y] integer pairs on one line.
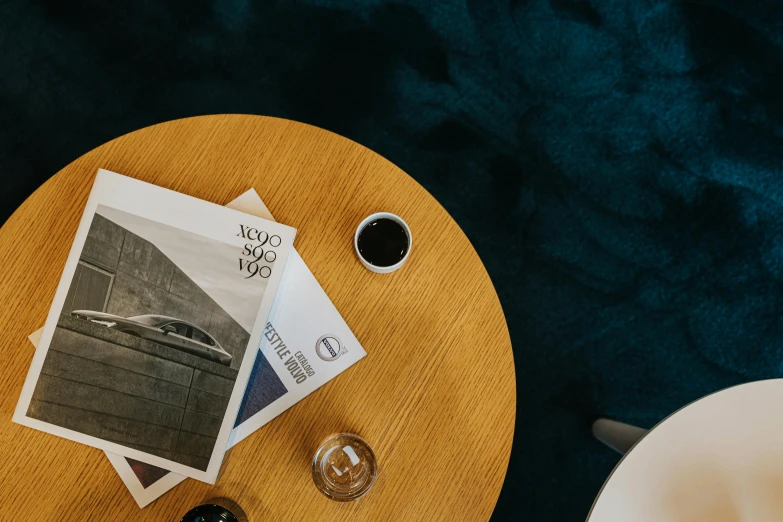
{"points": [[304, 323], [145, 351]]}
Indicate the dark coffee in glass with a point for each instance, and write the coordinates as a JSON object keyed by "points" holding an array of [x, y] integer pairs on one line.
{"points": [[215, 513], [383, 242]]}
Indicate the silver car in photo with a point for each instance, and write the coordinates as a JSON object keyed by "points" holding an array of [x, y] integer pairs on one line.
{"points": [[168, 331]]}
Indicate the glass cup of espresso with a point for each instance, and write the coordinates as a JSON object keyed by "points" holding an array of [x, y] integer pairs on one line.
{"points": [[383, 242], [216, 510]]}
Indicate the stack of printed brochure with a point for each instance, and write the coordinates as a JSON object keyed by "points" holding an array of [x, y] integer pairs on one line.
{"points": [[179, 327]]}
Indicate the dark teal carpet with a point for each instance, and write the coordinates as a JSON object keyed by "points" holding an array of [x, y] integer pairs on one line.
{"points": [[617, 165]]}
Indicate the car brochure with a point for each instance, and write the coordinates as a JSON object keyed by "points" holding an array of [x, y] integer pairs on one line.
{"points": [[153, 332], [304, 323]]}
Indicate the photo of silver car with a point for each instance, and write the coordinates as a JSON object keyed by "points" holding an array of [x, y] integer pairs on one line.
{"points": [[160, 329]]}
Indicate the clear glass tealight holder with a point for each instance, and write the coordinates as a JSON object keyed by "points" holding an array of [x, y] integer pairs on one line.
{"points": [[344, 467]]}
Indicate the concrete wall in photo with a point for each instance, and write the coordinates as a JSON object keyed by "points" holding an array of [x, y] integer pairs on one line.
{"points": [[140, 394], [145, 281]]}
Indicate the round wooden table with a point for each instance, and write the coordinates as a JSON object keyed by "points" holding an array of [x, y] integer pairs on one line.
{"points": [[435, 396], [719, 459]]}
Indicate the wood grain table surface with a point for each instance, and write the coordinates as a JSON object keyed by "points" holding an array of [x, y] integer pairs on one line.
{"points": [[435, 396]]}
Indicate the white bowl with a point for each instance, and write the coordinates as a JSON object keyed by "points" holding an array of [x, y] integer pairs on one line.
{"points": [[382, 269]]}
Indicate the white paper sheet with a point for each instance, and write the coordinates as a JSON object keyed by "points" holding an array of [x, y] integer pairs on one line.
{"points": [[181, 254]]}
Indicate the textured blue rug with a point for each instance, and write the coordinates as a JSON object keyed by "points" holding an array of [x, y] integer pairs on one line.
{"points": [[617, 165]]}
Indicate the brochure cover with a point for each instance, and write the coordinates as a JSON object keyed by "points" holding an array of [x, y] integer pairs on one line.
{"points": [[144, 353], [304, 320]]}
